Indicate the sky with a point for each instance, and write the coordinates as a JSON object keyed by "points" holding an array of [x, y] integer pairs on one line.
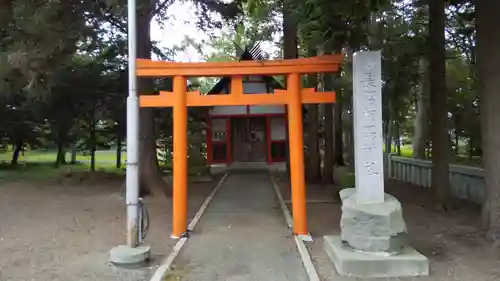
{"points": [[182, 22]]}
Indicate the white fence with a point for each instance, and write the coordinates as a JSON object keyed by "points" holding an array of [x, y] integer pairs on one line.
{"points": [[465, 182]]}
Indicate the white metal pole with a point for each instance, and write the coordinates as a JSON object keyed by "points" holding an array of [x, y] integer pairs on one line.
{"points": [[132, 172]]}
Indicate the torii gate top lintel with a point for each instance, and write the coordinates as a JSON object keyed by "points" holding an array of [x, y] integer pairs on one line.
{"points": [[237, 69], [319, 64]]}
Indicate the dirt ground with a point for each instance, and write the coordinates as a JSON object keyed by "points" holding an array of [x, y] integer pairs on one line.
{"points": [[453, 242], [63, 230]]}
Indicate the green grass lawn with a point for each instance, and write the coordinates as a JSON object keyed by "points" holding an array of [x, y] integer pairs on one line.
{"points": [[407, 151], [36, 171], [36, 165], [46, 156]]}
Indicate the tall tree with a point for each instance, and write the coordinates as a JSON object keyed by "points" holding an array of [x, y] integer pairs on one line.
{"points": [[150, 177], [438, 93], [421, 120], [290, 42], [313, 172], [488, 60], [330, 144]]}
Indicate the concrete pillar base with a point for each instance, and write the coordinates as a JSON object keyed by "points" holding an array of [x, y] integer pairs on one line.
{"points": [[407, 263], [125, 255]]}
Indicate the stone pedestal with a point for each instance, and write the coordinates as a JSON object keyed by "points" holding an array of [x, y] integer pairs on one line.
{"points": [[373, 241], [349, 263], [375, 227]]}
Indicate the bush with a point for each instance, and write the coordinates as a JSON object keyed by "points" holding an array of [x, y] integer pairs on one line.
{"points": [[344, 177]]}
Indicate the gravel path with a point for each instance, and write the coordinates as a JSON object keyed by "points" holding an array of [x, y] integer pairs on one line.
{"points": [[64, 230], [241, 236]]}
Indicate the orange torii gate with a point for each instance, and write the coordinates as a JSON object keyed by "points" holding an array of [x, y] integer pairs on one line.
{"points": [[294, 96]]}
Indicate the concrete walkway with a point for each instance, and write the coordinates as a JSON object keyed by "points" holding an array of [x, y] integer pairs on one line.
{"points": [[241, 236]]}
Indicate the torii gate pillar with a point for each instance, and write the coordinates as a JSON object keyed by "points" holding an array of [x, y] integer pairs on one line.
{"points": [[179, 226], [296, 150]]}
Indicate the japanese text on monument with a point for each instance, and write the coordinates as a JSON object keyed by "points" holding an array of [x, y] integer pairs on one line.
{"points": [[369, 113]]}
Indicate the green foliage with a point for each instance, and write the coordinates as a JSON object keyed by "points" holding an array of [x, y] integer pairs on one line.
{"points": [[257, 23], [335, 23], [38, 35], [344, 177], [63, 63]]}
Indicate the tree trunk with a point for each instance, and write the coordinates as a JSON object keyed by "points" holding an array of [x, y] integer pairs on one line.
{"points": [[289, 51], [330, 148], [329, 153], [387, 132], [151, 181], [488, 60], [388, 137], [388, 129], [118, 149], [92, 144], [15, 155], [313, 172], [73, 154], [439, 112], [92, 159], [470, 148], [422, 119], [338, 110], [61, 140], [289, 32], [313, 162], [60, 153], [338, 135], [348, 130], [398, 138]]}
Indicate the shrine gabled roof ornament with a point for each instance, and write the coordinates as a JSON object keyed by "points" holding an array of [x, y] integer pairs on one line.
{"points": [[254, 53]]}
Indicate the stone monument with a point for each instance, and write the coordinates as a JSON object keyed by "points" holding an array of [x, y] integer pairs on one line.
{"points": [[373, 240]]}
